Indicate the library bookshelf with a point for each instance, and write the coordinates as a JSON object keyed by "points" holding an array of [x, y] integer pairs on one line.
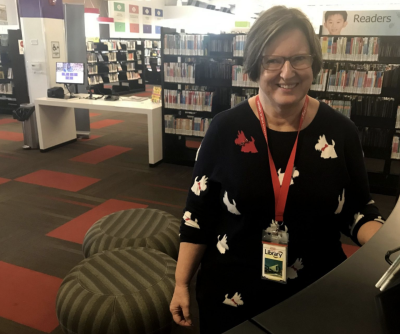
{"points": [[118, 63], [13, 82], [362, 74], [201, 76]]}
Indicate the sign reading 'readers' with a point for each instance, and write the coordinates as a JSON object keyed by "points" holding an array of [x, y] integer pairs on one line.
{"points": [[363, 23]]}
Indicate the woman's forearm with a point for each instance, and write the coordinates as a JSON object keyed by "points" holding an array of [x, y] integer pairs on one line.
{"points": [[189, 259], [367, 231]]}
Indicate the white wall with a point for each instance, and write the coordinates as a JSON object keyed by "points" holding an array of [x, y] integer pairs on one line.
{"points": [[38, 34], [152, 20], [198, 20], [12, 16]]}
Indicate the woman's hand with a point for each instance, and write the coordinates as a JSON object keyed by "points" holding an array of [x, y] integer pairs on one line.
{"points": [[180, 305]]}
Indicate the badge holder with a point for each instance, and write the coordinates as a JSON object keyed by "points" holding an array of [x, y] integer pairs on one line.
{"points": [[275, 254]]}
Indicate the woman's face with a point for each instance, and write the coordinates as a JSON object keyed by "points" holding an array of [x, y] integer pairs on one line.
{"points": [[287, 86]]}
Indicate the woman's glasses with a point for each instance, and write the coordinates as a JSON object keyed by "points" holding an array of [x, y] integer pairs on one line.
{"points": [[298, 62]]}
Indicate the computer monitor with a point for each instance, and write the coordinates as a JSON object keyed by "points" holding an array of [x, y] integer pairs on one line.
{"points": [[70, 73]]}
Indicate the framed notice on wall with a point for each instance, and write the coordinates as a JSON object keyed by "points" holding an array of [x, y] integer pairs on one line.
{"points": [[365, 23]]}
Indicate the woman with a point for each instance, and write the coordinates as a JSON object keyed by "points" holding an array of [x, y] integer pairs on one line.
{"points": [[233, 199]]}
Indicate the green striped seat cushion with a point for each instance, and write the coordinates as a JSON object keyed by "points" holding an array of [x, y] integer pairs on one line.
{"points": [[124, 291], [149, 228]]}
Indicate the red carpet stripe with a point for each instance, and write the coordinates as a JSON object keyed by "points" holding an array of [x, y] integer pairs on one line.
{"points": [[349, 250], [94, 114], [166, 187], [104, 123], [76, 229], [101, 154], [3, 180], [28, 297], [11, 136], [70, 202], [9, 157], [64, 181], [7, 121], [152, 202], [90, 138]]}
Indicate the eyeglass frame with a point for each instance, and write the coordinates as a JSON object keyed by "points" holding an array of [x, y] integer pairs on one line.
{"points": [[285, 60]]}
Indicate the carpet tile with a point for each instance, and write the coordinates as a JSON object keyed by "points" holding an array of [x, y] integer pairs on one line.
{"points": [[28, 297], [76, 229], [58, 180], [104, 123], [11, 136], [101, 154]]}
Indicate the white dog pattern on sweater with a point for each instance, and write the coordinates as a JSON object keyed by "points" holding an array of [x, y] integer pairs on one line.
{"points": [[327, 151], [231, 207], [295, 173], [199, 186], [294, 268], [197, 153], [222, 244], [340, 205], [187, 217], [235, 301], [357, 217]]}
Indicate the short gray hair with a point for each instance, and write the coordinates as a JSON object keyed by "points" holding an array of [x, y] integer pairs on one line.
{"points": [[270, 24]]}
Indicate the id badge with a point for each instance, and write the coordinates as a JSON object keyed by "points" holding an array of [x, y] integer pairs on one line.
{"points": [[274, 255]]}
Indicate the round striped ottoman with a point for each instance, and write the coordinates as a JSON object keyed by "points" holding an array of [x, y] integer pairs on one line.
{"points": [[149, 228], [124, 291]]}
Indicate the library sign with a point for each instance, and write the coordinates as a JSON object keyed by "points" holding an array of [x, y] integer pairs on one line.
{"points": [[367, 23]]}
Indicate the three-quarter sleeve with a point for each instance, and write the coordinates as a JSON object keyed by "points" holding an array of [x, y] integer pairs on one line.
{"points": [[202, 205], [358, 207]]}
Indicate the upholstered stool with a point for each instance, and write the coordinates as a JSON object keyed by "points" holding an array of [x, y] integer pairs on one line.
{"points": [[124, 291], [134, 228]]}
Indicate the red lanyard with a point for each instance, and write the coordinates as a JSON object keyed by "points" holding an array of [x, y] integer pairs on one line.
{"points": [[280, 193]]}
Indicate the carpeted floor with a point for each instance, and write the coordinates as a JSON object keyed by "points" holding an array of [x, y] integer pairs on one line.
{"points": [[49, 200]]}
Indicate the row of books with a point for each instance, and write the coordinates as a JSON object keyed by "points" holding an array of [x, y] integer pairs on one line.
{"points": [[130, 56], [241, 79], [363, 106], [221, 45], [151, 44], [186, 126], [6, 88], [112, 45], [179, 72], [395, 148], [245, 94], [152, 52], [93, 69], [188, 100], [132, 76], [392, 76], [398, 118], [94, 57], [130, 66], [130, 45], [319, 83], [389, 47], [341, 106], [90, 46], [112, 77], [113, 68], [209, 70], [95, 80], [350, 48], [374, 137], [182, 44], [373, 106], [10, 74], [147, 61], [239, 42], [355, 81]]}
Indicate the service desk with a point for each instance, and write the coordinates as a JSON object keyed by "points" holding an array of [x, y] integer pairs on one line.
{"points": [[343, 301], [56, 120]]}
